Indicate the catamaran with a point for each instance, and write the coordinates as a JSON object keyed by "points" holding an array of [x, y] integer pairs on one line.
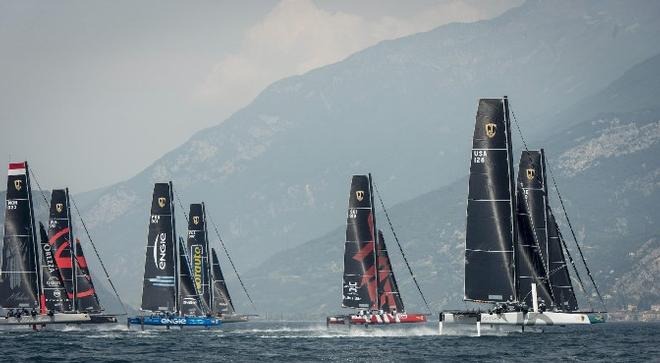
{"points": [[207, 273], [514, 250], [169, 293], [368, 283], [31, 287], [76, 290]]}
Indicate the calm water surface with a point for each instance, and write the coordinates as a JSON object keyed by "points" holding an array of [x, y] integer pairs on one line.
{"points": [[281, 341]]}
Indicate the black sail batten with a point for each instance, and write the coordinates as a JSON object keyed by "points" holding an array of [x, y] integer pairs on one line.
{"points": [[190, 302], [560, 280], [359, 288], [389, 297], [490, 237], [222, 302], [20, 285], [54, 298], [532, 247], [198, 251], [159, 289], [86, 298]]}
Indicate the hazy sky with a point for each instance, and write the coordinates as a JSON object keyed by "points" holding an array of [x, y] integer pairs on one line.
{"points": [[92, 92]]}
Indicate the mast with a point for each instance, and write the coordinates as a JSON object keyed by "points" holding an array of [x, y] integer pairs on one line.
{"points": [[359, 289], [375, 234], [20, 282], [207, 261], [72, 252], [159, 289], [60, 238], [490, 228]]}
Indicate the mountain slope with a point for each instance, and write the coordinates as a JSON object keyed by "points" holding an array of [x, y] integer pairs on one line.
{"points": [[273, 175], [609, 176]]}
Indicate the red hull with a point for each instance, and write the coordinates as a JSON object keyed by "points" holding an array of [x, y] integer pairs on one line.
{"points": [[377, 319]]}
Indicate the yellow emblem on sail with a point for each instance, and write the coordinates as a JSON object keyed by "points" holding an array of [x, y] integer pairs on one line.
{"points": [[162, 201], [491, 129], [531, 173], [17, 184], [59, 207], [359, 195], [196, 219]]}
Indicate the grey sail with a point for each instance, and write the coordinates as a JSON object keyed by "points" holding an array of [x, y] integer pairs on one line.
{"points": [[560, 280], [221, 300], [19, 271], [532, 247], [159, 288], [490, 237]]}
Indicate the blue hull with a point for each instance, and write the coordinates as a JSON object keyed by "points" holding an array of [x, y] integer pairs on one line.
{"points": [[174, 321]]}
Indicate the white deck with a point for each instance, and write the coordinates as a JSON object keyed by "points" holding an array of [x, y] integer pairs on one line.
{"points": [[45, 319]]}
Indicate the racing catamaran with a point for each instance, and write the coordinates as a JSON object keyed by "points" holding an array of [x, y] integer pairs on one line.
{"points": [[368, 283], [514, 258], [31, 289], [169, 294]]}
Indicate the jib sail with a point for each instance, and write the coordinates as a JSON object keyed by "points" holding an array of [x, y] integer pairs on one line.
{"points": [[560, 280], [159, 285], [532, 246], [19, 274], [54, 297], [490, 237], [86, 298], [388, 291], [190, 302], [197, 250], [359, 280], [221, 299]]}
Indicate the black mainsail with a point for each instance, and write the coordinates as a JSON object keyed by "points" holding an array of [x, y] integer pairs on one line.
{"points": [[190, 302], [490, 237], [159, 290], [221, 300], [54, 296], [60, 237], [560, 280], [360, 279], [532, 247], [19, 272], [198, 251], [389, 298]]}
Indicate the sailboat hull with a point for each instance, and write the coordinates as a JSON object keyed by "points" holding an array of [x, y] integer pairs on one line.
{"points": [[46, 319], [234, 318], [174, 321], [521, 319], [377, 319]]}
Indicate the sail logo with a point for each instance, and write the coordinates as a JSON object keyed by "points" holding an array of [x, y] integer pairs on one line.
{"points": [[49, 258], [162, 201], [59, 207], [531, 173], [491, 130], [160, 251], [195, 220], [196, 252], [352, 213], [359, 195], [18, 184]]}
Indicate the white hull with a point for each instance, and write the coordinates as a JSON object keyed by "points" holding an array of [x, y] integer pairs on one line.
{"points": [[45, 319], [520, 319]]}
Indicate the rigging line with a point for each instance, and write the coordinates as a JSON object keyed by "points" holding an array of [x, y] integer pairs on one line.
{"points": [[389, 221], [577, 274], [224, 248], [176, 194], [43, 195], [107, 275], [570, 226]]}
